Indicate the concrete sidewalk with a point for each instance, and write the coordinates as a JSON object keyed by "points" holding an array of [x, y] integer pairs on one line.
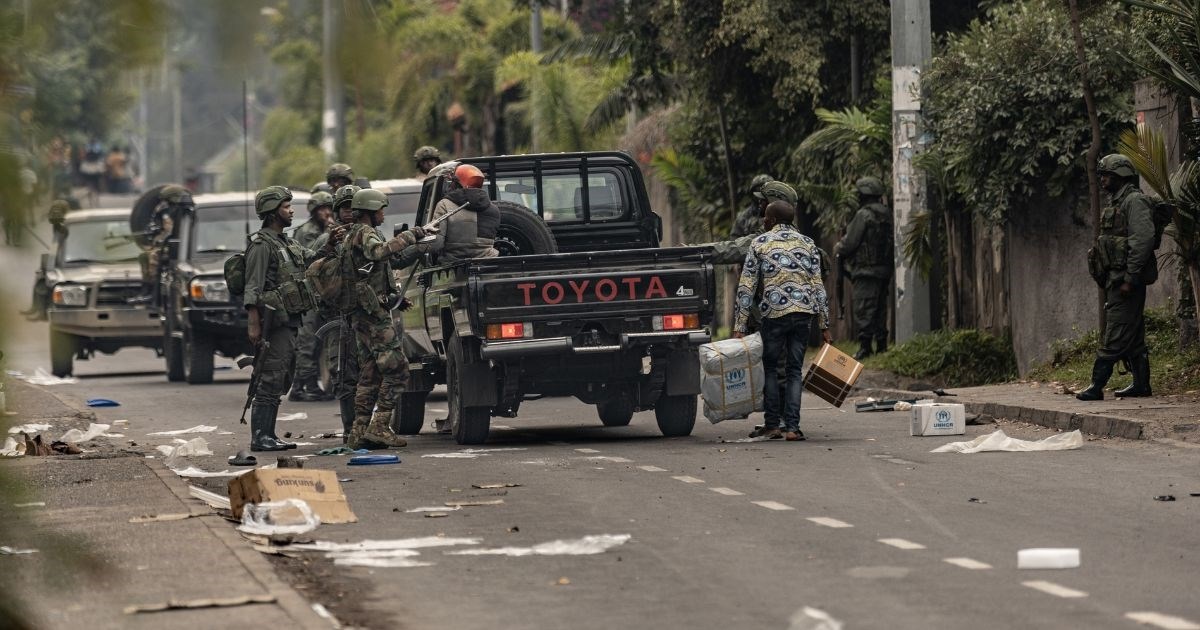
{"points": [[92, 562], [1172, 418]]}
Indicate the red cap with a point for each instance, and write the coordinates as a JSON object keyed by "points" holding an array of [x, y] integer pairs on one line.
{"points": [[469, 176]]}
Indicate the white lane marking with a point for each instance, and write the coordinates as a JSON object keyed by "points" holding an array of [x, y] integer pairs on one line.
{"points": [[1162, 621], [967, 563], [687, 479], [729, 492], [652, 469], [773, 505], [900, 543], [829, 522], [586, 450], [1051, 588], [606, 458]]}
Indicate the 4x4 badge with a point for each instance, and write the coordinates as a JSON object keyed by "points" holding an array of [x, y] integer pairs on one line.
{"points": [[684, 292]]}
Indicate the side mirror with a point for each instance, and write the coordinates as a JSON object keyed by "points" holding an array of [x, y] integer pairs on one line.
{"points": [[45, 262], [398, 228], [173, 249]]}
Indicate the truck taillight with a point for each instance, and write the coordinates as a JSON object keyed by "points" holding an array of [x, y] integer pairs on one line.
{"points": [[514, 330], [681, 321]]}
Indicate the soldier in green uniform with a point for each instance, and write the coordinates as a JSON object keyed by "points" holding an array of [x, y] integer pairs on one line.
{"points": [[343, 357], [425, 158], [339, 175], [750, 221], [1122, 262], [41, 288], [174, 200], [304, 382], [276, 297], [868, 247], [383, 368]]}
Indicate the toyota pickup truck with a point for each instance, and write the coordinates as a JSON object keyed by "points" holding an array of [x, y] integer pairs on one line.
{"points": [[581, 302]]}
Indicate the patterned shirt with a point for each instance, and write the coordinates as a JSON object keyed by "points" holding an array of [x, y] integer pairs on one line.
{"points": [[788, 264]]}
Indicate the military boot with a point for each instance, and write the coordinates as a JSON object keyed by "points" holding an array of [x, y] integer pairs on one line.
{"points": [[881, 345], [1139, 366], [262, 429], [302, 391], [864, 349], [380, 431], [1101, 371], [347, 409], [357, 438]]}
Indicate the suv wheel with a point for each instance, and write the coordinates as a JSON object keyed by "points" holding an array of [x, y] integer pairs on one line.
{"points": [[62, 353], [676, 415], [172, 351], [470, 425], [197, 358], [409, 416], [615, 412]]}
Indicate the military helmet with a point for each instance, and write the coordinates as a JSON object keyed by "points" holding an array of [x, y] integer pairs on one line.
{"points": [[321, 187], [58, 211], [175, 194], [427, 153], [368, 200], [1116, 164], [776, 190], [269, 199], [339, 170], [870, 186], [318, 199], [344, 195], [757, 183]]}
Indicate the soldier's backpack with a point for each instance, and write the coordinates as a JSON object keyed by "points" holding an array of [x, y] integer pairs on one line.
{"points": [[235, 275], [1164, 211], [333, 280]]}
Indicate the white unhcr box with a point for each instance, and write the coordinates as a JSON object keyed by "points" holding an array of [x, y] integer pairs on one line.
{"points": [[731, 378], [939, 419]]}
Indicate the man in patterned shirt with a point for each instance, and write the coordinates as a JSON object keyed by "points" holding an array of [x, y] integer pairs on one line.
{"points": [[788, 265]]}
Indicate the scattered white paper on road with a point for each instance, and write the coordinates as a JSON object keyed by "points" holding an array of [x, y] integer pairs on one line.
{"points": [[31, 428], [12, 448], [434, 509], [193, 448], [378, 545], [808, 618], [192, 471], [200, 428], [999, 441], [13, 551], [76, 436], [381, 563], [42, 377], [287, 417], [470, 453], [586, 546]]}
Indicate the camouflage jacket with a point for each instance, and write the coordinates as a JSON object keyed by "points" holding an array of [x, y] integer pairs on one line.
{"points": [[748, 223]]}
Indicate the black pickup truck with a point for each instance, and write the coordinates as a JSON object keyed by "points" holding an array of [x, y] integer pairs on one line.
{"points": [[602, 313]]}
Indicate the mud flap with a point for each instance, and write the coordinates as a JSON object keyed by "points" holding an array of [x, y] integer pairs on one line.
{"points": [[683, 373], [478, 385]]}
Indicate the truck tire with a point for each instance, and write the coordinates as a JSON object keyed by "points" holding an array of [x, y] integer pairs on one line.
{"points": [[197, 358], [62, 353], [522, 232], [616, 412], [470, 425], [409, 415], [172, 352], [676, 415]]}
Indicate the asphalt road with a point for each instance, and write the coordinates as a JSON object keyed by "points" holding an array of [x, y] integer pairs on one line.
{"points": [[861, 521]]}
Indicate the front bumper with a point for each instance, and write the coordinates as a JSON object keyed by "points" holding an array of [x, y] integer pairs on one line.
{"points": [[106, 323], [566, 345], [217, 321]]}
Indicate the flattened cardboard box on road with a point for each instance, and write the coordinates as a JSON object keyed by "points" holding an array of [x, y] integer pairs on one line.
{"points": [[318, 488], [832, 375]]}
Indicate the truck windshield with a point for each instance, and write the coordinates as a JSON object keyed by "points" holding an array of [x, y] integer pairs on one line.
{"points": [[562, 195], [221, 229], [99, 242]]}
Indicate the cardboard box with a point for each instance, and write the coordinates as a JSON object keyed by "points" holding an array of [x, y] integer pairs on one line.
{"points": [[939, 419], [318, 488], [832, 375]]}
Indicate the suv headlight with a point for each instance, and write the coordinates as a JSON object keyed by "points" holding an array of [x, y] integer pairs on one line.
{"points": [[210, 290], [70, 295]]}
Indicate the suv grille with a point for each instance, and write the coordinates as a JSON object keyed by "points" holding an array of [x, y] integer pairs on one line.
{"points": [[117, 293]]}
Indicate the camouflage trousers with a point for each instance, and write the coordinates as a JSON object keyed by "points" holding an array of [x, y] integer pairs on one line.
{"points": [[1125, 324], [275, 376], [382, 366], [341, 354], [870, 308], [306, 347]]}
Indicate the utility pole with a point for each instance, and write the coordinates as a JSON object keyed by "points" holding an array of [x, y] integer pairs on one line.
{"points": [[333, 136], [177, 124], [911, 50], [535, 44]]}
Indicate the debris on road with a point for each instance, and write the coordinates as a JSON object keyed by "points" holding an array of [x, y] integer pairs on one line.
{"points": [[12, 448], [102, 402], [193, 472], [930, 418], [64, 448], [13, 551], [564, 581], [243, 458], [42, 377], [288, 417], [342, 450], [999, 441], [373, 460], [200, 428], [30, 428], [93, 431], [1048, 558], [433, 509], [319, 489], [1165, 497], [902, 405], [492, 486], [436, 514], [196, 447], [731, 378], [462, 504], [382, 545], [211, 498], [272, 518], [975, 500], [31, 504], [809, 618], [586, 546], [470, 453], [162, 518], [286, 461], [191, 604]]}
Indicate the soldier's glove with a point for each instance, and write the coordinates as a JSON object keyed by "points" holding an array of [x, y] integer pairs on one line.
{"points": [[405, 304], [417, 232]]}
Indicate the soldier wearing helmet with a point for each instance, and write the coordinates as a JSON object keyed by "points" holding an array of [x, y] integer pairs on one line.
{"points": [[341, 204], [383, 368], [868, 249], [425, 158], [472, 232], [339, 175], [305, 387], [1122, 262], [174, 200], [749, 222], [321, 187], [41, 289], [276, 298]]}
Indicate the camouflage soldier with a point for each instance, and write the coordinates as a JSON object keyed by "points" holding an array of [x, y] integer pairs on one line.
{"points": [[41, 288], [1122, 262], [426, 158], [383, 368], [276, 298], [304, 383], [343, 356], [868, 247], [339, 175], [174, 200], [321, 187], [750, 221]]}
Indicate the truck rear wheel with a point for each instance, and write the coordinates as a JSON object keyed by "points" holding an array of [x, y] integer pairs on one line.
{"points": [[676, 415], [616, 412], [522, 232], [409, 416], [62, 353], [172, 352], [470, 425], [197, 358]]}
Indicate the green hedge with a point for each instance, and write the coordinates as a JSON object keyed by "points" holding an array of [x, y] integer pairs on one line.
{"points": [[959, 358]]}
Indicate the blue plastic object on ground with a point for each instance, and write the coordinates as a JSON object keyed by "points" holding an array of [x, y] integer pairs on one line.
{"points": [[374, 460], [102, 402]]}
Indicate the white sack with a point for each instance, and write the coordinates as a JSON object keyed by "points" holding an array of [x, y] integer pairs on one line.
{"points": [[732, 378], [998, 441], [75, 436]]}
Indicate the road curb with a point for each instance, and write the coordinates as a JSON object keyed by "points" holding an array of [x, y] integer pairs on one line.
{"points": [[287, 598], [1092, 424]]}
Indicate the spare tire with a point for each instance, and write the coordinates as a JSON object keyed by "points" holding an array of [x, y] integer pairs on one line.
{"points": [[143, 213], [522, 232]]}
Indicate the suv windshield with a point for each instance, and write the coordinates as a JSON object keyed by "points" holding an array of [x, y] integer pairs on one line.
{"points": [[221, 229], [99, 241]]}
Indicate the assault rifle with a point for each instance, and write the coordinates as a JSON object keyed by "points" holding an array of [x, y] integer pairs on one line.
{"points": [[260, 355], [840, 286]]}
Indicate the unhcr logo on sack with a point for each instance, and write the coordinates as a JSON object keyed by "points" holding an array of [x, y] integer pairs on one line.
{"points": [[943, 419], [735, 379]]}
